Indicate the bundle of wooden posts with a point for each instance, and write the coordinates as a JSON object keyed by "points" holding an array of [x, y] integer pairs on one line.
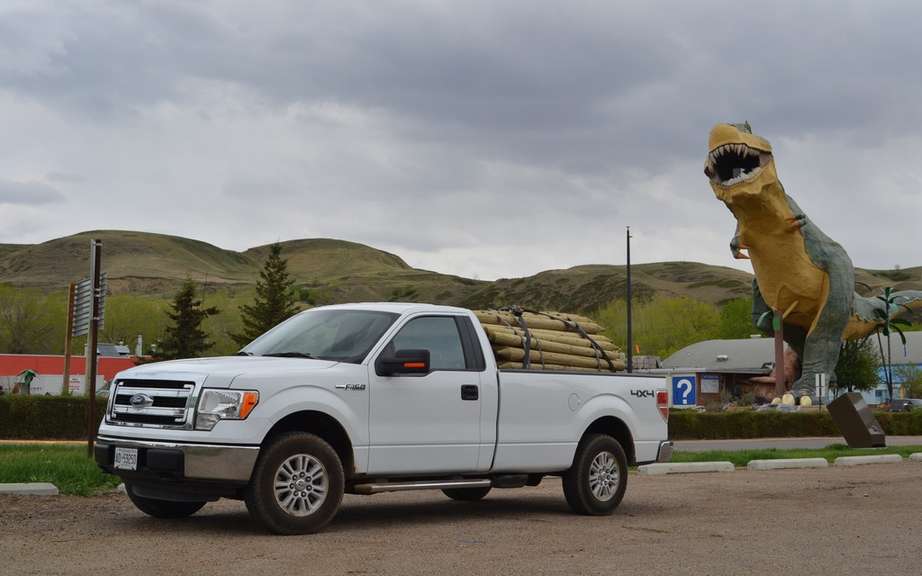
{"points": [[548, 341]]}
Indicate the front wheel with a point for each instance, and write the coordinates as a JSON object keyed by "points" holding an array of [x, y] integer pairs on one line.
{"points": [[297, 485], [596, 482], [162, 508]]}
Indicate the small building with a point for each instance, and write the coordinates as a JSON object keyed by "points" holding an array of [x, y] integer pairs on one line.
{"points": [[48, 372], [726, 369]]}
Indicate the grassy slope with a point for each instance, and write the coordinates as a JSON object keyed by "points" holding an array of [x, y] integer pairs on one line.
{"points": [[65, 466], [340, 271]]}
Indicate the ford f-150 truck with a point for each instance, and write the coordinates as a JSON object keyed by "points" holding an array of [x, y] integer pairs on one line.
{"points": [[368, 398]]}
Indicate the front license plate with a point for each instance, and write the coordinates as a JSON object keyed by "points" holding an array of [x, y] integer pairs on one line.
{"points": [[126, 458]]}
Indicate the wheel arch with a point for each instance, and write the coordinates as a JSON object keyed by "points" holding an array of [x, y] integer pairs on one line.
{"points": [[322, 425], [617, 429]]}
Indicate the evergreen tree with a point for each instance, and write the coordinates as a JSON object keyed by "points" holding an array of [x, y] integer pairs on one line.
{"points": [[275, 299], [184, 337]]}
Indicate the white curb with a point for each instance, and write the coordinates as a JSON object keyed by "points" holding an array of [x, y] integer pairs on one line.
{"points": [[30, 489], [876, 459], [916, 456], [785, 463], [685, 468]]}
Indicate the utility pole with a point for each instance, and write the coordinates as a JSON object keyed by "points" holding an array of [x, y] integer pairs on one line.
{"points": [[68, 335], [91, 342], [630, 333]]}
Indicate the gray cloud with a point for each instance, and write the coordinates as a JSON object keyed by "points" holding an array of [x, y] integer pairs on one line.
{"points": [[453, 132], [12, 192]]}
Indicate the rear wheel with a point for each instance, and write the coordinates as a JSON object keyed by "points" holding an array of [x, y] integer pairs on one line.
{"points": [[162, 508], [297, 485], [467, 494], [596, 482]]}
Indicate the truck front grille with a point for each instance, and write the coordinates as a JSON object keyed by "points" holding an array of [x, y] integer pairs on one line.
{"points": [[152, 402]]}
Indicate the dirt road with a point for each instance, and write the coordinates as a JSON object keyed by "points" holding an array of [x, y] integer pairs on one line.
{"points": [[834, 521]]}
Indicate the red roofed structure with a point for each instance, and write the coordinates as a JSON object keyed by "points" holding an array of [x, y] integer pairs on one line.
{"points": [[49, 366]]}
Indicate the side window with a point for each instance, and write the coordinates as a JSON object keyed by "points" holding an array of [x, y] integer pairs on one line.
{"points": [[439, 335]]}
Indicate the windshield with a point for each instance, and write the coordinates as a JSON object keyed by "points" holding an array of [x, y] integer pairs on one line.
{"points": [[341, 335]]}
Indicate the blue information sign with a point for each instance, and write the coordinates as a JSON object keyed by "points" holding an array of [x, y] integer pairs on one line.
{"points": [[684, 391]]}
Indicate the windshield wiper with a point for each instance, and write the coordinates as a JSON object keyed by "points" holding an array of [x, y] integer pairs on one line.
{"points": [[289, 355], [242, 353]]}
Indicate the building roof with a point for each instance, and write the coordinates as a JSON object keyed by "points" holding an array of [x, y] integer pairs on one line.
{"points": [[744, 355], [750, 355], [47, 365]]}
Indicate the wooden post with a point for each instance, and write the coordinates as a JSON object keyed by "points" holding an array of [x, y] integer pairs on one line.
{"points": [[91, 343], [778, 328], [68, 335]]}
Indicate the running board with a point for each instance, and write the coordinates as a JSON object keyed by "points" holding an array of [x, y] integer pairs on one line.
{"points": [[424, 485]]}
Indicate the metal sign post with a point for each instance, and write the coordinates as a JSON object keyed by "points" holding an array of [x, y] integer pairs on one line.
{"points": [[630, 328], [92, 316], [68, 335]]}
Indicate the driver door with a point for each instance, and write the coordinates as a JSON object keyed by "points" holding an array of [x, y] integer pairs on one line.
{"points": [[422, 423]]}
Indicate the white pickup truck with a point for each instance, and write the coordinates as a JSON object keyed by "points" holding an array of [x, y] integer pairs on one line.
{"points": [[368, 398]]}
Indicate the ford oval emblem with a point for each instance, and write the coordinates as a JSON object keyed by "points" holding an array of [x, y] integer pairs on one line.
{"points": [[141, 401]]}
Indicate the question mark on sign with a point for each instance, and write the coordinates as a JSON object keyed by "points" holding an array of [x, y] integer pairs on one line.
{"points": [[685, 387]]}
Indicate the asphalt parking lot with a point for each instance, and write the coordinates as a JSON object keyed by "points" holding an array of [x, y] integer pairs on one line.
{"points": [[858, 520]]}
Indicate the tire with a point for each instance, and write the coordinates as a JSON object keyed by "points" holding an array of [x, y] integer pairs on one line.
{"points": [[580, 483], [312, 466], [467, 494], [162, 508]]}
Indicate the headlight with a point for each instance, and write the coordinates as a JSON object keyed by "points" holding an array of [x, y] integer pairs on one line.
{"points": [[217, 405]]}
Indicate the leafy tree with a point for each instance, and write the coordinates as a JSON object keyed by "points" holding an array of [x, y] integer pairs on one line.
{"points": [[28, 321], [736, 319], [857, 366], [184, 337], [275, 299], [910, 380], [663, 325]]}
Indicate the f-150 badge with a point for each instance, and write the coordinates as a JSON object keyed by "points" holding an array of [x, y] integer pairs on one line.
{"points": [[350, 386]]}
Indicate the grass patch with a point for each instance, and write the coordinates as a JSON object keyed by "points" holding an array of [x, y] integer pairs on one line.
{"points": [[67, 467], [830, 453]]}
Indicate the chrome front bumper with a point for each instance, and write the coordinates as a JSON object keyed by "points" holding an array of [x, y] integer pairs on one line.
{"points": [[665, 451], [180, 461]]}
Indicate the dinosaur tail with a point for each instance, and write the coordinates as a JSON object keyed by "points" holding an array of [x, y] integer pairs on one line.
{"points": [[870, 313]]}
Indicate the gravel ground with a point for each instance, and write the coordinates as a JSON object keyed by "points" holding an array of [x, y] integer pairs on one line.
{"points": [[862, 520]]}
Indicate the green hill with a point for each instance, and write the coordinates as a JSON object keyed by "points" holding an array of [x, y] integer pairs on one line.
{"points": [[340, 271]]}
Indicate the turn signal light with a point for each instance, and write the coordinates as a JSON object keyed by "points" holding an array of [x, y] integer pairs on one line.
{"points": [[414, 365], [250, 399], [662, 403]]}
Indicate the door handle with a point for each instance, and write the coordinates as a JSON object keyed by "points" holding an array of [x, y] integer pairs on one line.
{"points": [[470, 392]]}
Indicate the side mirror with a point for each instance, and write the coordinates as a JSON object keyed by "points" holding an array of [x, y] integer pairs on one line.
{"points": [[403, 362]]}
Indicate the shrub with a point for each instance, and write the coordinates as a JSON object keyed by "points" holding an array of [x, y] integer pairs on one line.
{"points": [[45, 417], [690, 425]]}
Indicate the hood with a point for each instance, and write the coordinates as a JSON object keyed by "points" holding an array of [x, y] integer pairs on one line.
{"points": [[219, 372]]}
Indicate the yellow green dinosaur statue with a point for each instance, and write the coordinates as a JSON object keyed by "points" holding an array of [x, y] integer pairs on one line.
{"points": [[799, 270]]}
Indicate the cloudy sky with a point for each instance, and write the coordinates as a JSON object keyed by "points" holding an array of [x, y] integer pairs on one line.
{"points": [[482, 138]]}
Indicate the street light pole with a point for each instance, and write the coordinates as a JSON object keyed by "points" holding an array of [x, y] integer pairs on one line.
{"points": [[630, 334]]}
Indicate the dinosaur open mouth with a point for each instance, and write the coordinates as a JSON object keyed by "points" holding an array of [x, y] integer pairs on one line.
{"points": [[734, 163]]}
